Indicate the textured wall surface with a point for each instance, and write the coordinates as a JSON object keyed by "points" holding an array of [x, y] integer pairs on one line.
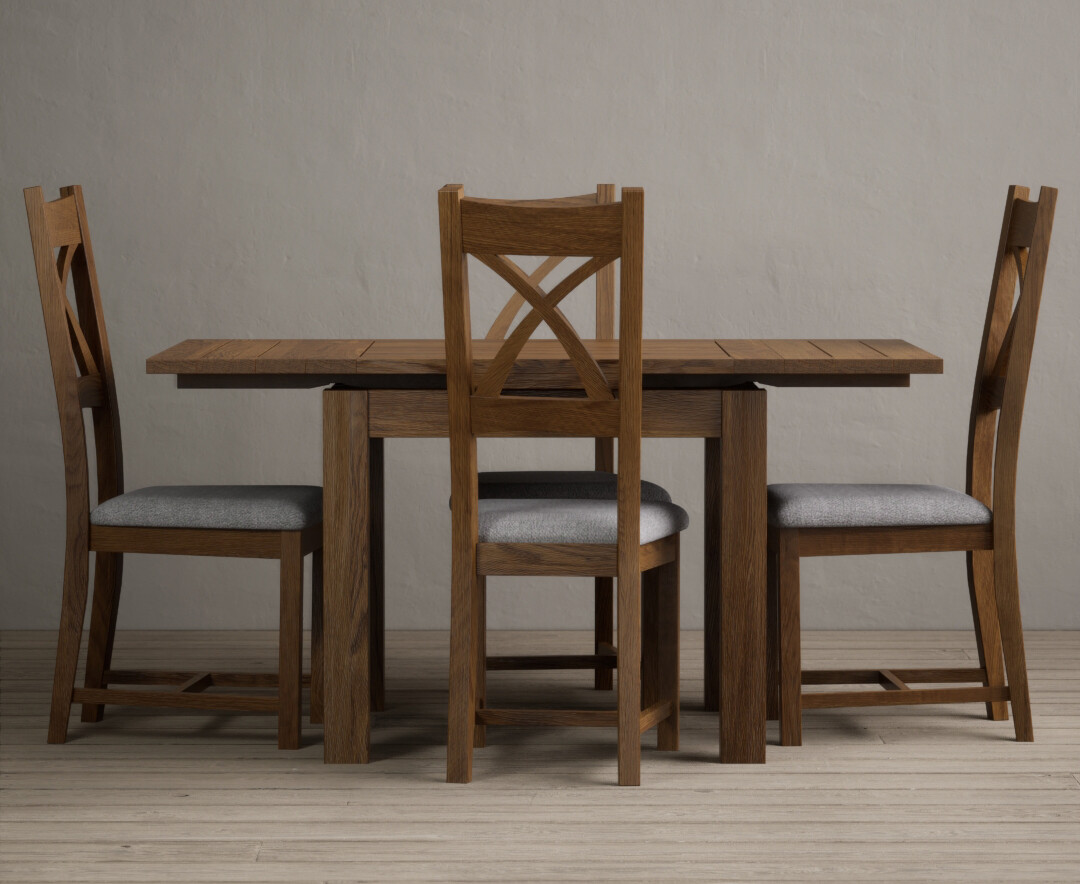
{"points": [[270, 169]]}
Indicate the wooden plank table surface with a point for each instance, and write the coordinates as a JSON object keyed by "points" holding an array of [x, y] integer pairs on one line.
{"points": [[393, 388]]}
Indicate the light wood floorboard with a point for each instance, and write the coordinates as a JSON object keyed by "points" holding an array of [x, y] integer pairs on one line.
{"points": [[888, 795]]}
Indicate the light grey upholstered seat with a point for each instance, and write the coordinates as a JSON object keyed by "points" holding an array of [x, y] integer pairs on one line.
{"points": [[565, 484], [241, 507], [869, 506], [559, 520]]}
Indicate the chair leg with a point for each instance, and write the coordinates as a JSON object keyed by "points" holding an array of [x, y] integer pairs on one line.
{"points": [[290, 641], [108, 573], [461, 717], [603, 628], [378, 575], [772, 641], [317, 636], [69, 637], [667, 734], [650, 637], [479, 730], [787, 572], [980, 570], [629, 680], [1006, 589]]}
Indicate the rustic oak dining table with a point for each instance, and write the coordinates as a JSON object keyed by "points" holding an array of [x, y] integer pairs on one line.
{"points": [[706, 388]]}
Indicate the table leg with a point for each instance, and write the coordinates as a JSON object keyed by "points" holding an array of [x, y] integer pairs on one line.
{"points": [[347, 578], [712, 573], [378, 575], [743, 515]]}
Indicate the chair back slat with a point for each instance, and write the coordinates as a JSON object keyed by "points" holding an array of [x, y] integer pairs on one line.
{"points": [[1021, 223], [535, 227], [62, 222], [78, 344], [1008, 339]]}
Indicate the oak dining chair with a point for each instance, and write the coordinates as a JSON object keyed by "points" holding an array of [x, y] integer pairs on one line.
{"points": [[599, 483], [619, 538], [835, 520], [282, 522]]}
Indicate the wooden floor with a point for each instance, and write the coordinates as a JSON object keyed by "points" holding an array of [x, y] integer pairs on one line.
{"points": [[916, 794]]}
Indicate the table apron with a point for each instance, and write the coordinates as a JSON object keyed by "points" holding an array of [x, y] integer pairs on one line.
{"points": [[424, 414]]}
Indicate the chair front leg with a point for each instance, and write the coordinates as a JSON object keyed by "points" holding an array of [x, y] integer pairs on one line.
{"points": [[629, 678], [603, 628], [479, 730], [787, 562], [317, 636], [108, 573], [667, 734], [290, 641], [772, 637]]}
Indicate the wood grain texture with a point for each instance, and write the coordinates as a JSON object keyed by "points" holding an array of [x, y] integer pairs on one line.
{"points": [[311, 357], [377, 557], [884, 541], [545, 363], [347, 573], [742, 531], [789, 633], [464, 506], [882, 794], [290, 640]]}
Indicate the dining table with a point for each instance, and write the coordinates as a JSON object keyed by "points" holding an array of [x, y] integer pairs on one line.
{"points": [[708, 388]]}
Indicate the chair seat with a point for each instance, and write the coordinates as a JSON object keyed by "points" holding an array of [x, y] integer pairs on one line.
{"points": [[561, 520], [565, 484], [872, 506], [216, 507]]}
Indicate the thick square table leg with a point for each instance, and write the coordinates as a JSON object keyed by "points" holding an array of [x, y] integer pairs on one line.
{"points": [[347, 578], [743, 535]]}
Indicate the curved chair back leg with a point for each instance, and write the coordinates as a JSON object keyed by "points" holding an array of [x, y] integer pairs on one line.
{"points": [[108, 574]]}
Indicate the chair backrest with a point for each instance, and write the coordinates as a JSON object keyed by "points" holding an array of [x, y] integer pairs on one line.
{"points": [[78, 345], [490, 230], [997, 405], [605, 279]]}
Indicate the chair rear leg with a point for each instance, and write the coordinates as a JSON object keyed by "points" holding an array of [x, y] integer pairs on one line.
{"points": [[772, 641], [980, 570], [787, 567], [667, 734], [603, 628], [317, 636], [629, 680], [1006, 590], [290, 641], [479, 730], [108, 573], [69, 637], [461, 714]]}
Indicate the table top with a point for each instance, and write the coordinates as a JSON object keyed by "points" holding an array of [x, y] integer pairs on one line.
{"points": [[371, 362]]}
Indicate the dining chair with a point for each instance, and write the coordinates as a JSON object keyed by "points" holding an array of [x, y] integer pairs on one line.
{"points": [[837, 520], [282, 522], [599, 483], [634, 541]]}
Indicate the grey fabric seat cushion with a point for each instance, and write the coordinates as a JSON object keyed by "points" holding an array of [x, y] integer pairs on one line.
{"points": [[867, 506], [565, 484], [560, 520], [242, 507]]}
